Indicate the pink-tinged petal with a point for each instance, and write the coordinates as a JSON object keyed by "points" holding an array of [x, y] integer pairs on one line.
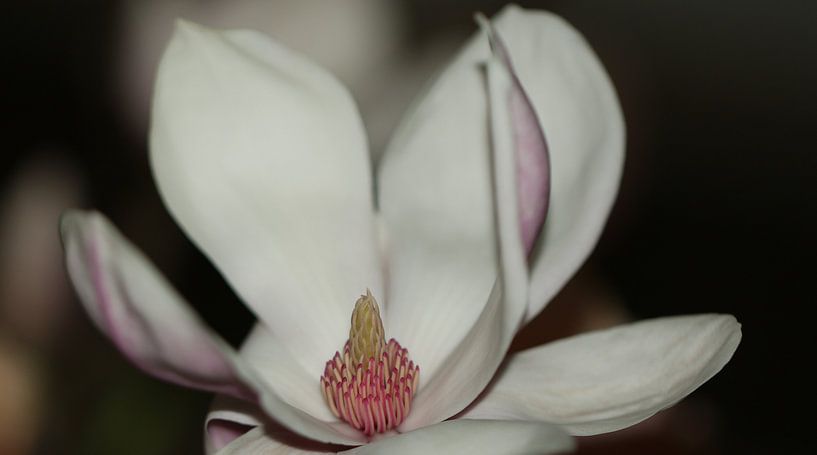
{"points": [[130, 301], [532, 168], [577, 107], [222, 432], [610, 379], [261, 157], [435, 191], [469, 368], [445, 231], [140, 312], [474, 437], [227, 420], [531, 151]]}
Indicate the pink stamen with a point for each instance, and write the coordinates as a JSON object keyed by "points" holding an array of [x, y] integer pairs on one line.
{"points": [[373, 396]]}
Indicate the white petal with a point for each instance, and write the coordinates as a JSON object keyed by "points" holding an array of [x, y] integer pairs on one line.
{"points": [[156, 330], [261, 157], [472, 363], [474, 437], [258, 442], [278, 369], [608, 380], [436, 200], [582, 121]]}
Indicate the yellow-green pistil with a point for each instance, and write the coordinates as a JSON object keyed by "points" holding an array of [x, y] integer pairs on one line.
{"points": [[372, 384]]}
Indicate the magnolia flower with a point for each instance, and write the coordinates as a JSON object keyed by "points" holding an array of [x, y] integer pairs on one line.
{"points": [[261, 158]]}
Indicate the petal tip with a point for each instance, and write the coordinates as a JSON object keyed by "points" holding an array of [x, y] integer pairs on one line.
{"points": [[481, 20], [735, 327], [68, 219], [188, 32], [729, 322], [73, 220], [184, 26]]}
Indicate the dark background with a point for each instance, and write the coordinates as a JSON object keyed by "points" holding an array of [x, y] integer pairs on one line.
{"points": [[717, 212]]}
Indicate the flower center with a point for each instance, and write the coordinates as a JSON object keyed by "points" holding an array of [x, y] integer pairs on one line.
{"points": [[371, 385]]}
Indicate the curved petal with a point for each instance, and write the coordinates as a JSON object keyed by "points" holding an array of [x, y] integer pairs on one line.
{"points": [[474, 437], [130, 301], [435, 197], [258, 442], [278, 370], [472, 363], [532, 163], [150, 323], [608, 380], [261, 158], [227, 420], [579, 111]]}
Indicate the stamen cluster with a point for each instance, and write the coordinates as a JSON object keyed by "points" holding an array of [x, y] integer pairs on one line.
{"points": [[375, 395]]}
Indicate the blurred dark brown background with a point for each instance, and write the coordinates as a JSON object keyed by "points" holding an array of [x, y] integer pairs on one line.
{"points": [[717, 212]]}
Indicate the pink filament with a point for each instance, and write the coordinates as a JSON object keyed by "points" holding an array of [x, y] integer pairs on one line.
{"points": [[373, 396]]}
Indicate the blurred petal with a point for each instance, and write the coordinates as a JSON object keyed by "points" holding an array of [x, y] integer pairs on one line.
{"points": [[472, 363], [150, 323], [610, 379], [140, 312], [579, 112], [261, 157], [474, 437], [258, 442]]}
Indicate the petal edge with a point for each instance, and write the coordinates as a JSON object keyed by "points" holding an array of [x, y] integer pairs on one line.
{"points": [[610, 379]]}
